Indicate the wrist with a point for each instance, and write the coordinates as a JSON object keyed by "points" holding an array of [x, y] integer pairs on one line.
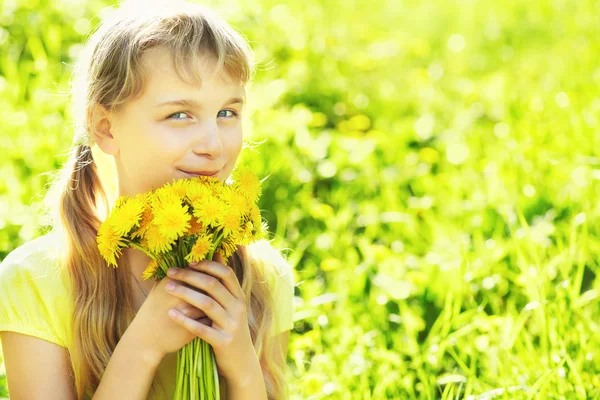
{"points": [[248, 387], [146, 353], [247, 376]]}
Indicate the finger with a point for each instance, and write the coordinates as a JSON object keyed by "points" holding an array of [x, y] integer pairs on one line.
{"points": [[223, 272], [191, 311], [209, 284], [211, 308], [205, 332]]}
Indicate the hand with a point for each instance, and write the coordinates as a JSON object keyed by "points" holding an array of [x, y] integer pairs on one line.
{"points": [[224, 303], [158, 334]]}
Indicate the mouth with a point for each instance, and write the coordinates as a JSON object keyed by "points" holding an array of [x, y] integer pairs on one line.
{"points": [[200, 173]]}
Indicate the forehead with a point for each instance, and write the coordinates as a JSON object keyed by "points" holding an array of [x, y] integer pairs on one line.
{"points": [[161, 79]]}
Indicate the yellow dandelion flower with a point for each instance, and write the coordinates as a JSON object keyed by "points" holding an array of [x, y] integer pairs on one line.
{"points": [[234, 199], [244, 234], [156, 241], [259, 227], [147, 217], [196, 227], [261, 231], [201, 248], [109, 243], [242, 203], [180, 187], [164, 195], [172, 219], [224, 192], [237, 235], [208, 180], [197, 192], [254, 216], [231, 221], [217, 189], [150, 270], [127, 214], [247, 183], [227, 248], [210, 212], [213, 184], [121, 200]]}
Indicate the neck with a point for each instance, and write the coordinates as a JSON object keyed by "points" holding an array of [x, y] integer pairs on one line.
{"points": [[138, 261]]}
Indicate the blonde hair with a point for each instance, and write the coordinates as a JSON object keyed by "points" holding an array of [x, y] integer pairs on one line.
{"points": [[109, 73]]}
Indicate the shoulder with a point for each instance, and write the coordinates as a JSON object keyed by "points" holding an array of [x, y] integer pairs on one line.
{"points": [[32, 260], [34, 291], [272, 261]]}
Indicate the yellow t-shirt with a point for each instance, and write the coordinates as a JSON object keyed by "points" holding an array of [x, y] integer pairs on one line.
{"points": [[34, 298]]}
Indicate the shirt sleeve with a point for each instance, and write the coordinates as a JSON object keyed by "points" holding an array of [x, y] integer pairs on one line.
{"points": [[280, 279], [33, 298]]}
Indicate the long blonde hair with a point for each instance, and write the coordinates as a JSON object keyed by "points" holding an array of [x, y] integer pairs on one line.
{"points": [[109, 73]]}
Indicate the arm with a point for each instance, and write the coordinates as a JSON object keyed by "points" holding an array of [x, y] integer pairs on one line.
{"points": [[28, 359], [253, 386], [250, 387], [129, 372]]}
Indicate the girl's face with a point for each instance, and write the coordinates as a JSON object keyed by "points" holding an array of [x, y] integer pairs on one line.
{"points": [[173, 128]]}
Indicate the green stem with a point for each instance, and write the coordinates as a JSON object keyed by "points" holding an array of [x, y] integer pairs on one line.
{"points": [[186, 389], [137, 246], [193, 386], [176, 392], [187, 369], [216, 244], [207, 366], [215, 375], [201, 383]]}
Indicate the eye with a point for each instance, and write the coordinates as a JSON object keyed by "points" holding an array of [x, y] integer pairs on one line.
{"points": [[177, 113], [235, 114]]}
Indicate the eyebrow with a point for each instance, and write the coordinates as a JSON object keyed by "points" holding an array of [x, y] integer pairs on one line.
{"points": [[194, 103]]}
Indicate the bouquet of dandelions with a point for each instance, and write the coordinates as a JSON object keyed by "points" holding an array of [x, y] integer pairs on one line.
{"points": [[187, 220]]}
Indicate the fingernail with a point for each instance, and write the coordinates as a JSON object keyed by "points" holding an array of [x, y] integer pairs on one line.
{"points": [[170, 285], [171, 271], [193, 264]]}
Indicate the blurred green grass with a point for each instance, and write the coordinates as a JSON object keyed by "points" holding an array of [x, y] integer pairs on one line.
{"points": [[433, 168]]}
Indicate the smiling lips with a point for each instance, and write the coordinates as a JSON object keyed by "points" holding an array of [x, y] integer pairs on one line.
{"points": [[197, 173]]}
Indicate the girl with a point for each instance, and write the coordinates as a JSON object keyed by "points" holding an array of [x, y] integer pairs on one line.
{"points": [[161, 93]]}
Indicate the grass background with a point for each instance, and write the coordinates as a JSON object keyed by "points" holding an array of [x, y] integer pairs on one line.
{"points": [[434, 171]]}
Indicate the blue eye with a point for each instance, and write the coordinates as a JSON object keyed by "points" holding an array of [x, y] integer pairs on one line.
{"points": [[169, 117], [231, 111]]}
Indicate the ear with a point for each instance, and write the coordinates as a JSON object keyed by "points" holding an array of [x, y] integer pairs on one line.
{"points": [[100, 124]]}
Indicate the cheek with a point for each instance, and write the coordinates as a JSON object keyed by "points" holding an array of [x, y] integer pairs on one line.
{"points": [[159, 143], [152, 148], [233, 144], [232, 151]]}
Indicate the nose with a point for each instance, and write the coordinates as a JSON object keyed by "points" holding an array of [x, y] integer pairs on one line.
{"points": [[208, 141]]}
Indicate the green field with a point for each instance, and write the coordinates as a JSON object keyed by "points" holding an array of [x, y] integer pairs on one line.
{"points": [[434, 169]]}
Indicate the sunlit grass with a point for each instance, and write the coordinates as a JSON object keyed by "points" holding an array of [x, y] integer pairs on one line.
{"points": [[434, 171]]}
